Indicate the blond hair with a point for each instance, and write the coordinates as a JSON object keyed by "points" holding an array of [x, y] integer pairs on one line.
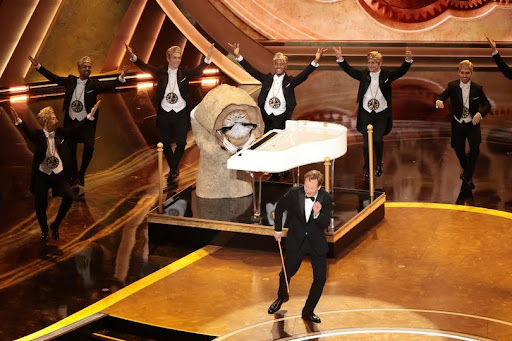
{"points": [[466, 64], [84, 59], [45, 114], [281, 56], [374, 55], [173, 49], [314, 175]]}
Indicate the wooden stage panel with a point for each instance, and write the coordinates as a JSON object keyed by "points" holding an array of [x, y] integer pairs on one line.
{"points": [[407, 263]]}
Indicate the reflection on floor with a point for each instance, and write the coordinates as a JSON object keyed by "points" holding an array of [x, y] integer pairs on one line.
{"points": [[104, 244]]}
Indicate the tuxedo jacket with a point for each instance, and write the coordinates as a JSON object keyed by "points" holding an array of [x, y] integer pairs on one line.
{"points": [[92, 88], [161, 76], [288, 86], [478, 102], [502, 66], [386, 77], [298, 228], [38, 139]]}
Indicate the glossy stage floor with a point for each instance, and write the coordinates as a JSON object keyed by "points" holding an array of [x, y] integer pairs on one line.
{"points": [[435, 268]]}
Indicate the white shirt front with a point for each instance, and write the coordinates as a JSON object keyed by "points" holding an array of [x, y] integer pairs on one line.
{"points": [[51, 150], [465, 101], [172, 86], [373, 92], [276, 90], [308, 207], [78, 95]]}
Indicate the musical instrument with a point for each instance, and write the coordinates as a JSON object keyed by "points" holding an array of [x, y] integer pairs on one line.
{"points": [[300, 143]]}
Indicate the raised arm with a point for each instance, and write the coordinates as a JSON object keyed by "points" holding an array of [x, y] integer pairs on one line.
{"points": [[342, 62], [198, 70], [301, 77], [402, 70], [31, 135], [143, 66], [235, 49], [502, 66], [46, 73]]}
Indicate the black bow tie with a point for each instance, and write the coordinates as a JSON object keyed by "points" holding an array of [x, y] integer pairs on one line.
{"points": [[312, 198]]}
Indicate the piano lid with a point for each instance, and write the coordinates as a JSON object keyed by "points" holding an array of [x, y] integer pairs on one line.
{"points": [[301, 143]]}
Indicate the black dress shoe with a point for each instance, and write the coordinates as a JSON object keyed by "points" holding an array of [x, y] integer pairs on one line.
{"points": [[72, 181], [44, 237], [274, 307], [173, 175], [379, 169], [284, 174], [366, 175], [312, 318], [55, 231], [81, 179], [55, 234]]}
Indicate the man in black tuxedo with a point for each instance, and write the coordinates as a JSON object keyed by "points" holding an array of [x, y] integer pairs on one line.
{"points": [[50, 165], [277, 95], [172, 102], [309, 214], [502, 66], [79, 99], [469, 107], [374, 99]]}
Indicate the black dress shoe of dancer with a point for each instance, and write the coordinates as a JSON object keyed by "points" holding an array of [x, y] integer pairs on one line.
{"points": [[366, 175], [44, 237], [379, 169], [274, 307], [73, 181], [312, 318], [81, 179], [55, 232]]}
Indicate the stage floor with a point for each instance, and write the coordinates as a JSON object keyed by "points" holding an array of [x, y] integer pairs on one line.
{"points": [[409, 274]]}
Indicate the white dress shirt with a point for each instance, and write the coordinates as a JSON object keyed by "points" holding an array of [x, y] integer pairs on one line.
{"points": [[276, 90], [78, 94], [373, 91], [172, 86], [465, 101], [51, 150]]}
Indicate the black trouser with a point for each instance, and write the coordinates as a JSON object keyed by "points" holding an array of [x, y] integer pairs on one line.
{"points": [[461, 132], [379, 122], [169, 124], [273, 122], [59, 184], [84, 134], [292, 262]]}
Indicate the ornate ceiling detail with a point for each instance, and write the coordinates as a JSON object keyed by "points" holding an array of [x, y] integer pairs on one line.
{"points": [[422, 10]]}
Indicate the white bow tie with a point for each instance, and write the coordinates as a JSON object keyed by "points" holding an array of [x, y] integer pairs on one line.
{"points": [[50, 135]]}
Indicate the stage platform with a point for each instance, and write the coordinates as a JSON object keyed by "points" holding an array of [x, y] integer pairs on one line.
{"points": [[229, 222]]}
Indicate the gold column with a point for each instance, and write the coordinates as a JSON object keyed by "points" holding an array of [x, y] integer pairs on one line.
{"points": [[327, 165], [160, 153], [370, 159]]}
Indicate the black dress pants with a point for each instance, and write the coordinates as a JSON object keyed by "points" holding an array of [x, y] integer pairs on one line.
{"points": [[461, 132], [292, 262], [379, 122], [173, 124], [273, 122], [84, 134], [59, 185]]}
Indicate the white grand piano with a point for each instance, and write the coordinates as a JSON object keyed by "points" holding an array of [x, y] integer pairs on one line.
{"points": [[300, 143]]}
